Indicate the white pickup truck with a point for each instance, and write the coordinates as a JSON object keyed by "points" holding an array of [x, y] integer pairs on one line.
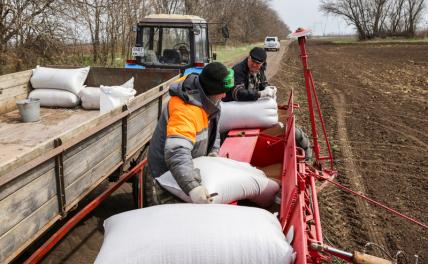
{"points": [[272, 43]]}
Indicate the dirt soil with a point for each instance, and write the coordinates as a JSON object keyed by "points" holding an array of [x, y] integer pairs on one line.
{"points": [[374, 99]]}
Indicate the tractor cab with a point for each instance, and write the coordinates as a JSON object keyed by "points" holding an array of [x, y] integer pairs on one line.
{"points": [[171, 41]]}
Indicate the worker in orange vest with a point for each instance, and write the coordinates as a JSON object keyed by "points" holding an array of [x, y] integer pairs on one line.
{"points": [[187, 129]]}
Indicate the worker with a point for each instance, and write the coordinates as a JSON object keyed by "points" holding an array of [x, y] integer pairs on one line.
{"points": [[250, 78], [187, 129], [251, 84]]}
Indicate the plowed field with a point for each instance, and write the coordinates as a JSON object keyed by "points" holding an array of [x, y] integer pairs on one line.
{"points": [[374, 99]]}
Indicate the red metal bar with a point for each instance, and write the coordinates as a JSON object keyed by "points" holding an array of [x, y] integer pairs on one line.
{"points": [[311, 94], [330, 155], [315, 209], [55, 238], [307, 73]]}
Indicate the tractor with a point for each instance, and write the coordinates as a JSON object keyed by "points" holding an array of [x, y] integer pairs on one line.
{"points": [[171, 41]]}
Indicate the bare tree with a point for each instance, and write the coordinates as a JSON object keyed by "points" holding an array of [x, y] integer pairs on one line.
{"points": [[97, 31], [374, 18], [17, 15], [413, 15]]}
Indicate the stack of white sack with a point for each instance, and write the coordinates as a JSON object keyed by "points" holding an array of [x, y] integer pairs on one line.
{"points": [[262, 113], [232, 180], [91, 96], [194, 234], [57, 87]]}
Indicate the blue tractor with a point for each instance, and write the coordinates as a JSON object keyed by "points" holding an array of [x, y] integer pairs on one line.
{"points": [[173, 41]]}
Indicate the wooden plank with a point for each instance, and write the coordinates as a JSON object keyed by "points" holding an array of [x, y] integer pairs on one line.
{"points": [[14, 79], [93, 152], [9, 104], [23, 142], [14, 86], [13, 91], [137, 142], [87, 180], [139, 119], [91, 140], [26, 178], [26, 200], [83, 194], [16, 239]]}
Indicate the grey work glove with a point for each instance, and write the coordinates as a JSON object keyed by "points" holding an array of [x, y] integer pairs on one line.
{"points": [[213, 154], [200, 195], [268, 92]]}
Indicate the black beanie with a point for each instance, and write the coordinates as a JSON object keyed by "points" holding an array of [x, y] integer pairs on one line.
{"points": [[212, 78], [258, 54]]}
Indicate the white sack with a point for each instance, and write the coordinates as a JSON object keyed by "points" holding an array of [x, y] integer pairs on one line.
{"points": [[194, 234], [262, 113], [232, 180], [55, 98], [71, 80], [114, 96], [90, 96], [129, 84]]}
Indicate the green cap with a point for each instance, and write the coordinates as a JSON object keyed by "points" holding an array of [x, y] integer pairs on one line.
{"points": [[229, 79], [215, 78]]}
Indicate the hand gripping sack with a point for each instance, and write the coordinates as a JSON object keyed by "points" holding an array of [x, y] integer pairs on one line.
{"points": [[194, 234], [55, 98], [262, 113], [71, 80], [232, 180]]}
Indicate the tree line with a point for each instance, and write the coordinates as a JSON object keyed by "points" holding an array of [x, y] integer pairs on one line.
{"points": [[100, 32], [378, 18]]}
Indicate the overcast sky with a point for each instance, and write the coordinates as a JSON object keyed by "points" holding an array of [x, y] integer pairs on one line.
{"points": [[306, 14]]}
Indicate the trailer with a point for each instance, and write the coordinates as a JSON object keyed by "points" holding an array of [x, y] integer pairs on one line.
{"points": [[48, 167]]}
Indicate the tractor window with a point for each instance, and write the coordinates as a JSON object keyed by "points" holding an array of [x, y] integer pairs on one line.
{"points": [[166, 46], [201, 50]]}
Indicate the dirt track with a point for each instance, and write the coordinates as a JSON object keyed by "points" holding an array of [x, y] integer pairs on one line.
{"points": [[374, 100]]}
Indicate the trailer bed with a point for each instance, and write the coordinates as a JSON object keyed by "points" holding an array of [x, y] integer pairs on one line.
{"points": [[48, 167], [18, 139]]}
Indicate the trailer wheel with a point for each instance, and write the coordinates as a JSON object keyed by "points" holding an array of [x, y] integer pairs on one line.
{"points": [[138, 180]]}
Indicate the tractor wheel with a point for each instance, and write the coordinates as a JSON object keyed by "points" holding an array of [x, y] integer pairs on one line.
{"points": [[138, 180]]}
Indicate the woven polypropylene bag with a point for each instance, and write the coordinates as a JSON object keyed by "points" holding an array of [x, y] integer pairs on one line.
{"points": [[262, 113], [71, 80], [194, 234], [114, 96], [55, 98], [232, 180], [90, 96]]}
